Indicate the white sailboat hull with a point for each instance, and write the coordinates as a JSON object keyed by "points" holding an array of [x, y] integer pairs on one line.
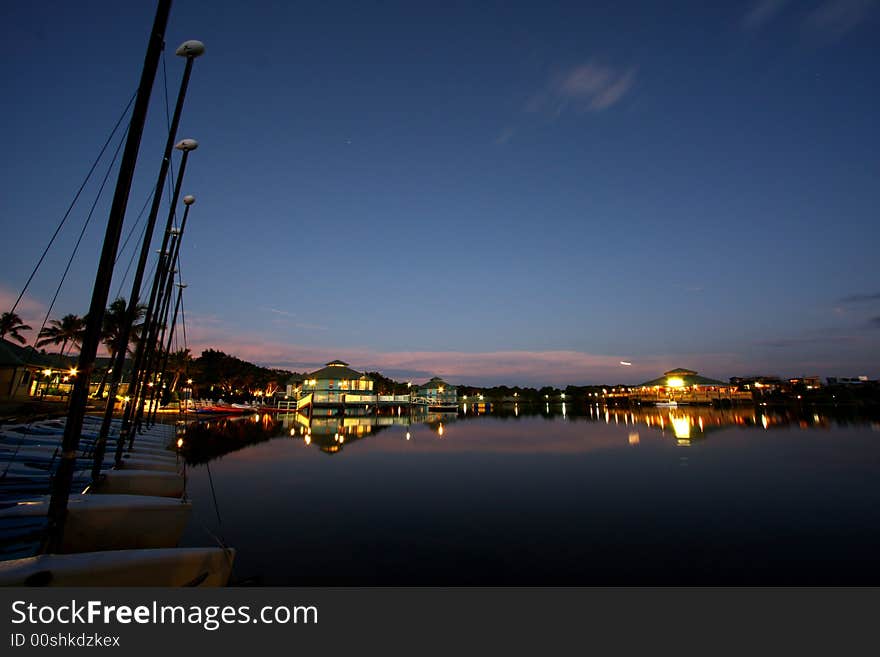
{"points": [[139, 482], [165, 567], [112, 522]]}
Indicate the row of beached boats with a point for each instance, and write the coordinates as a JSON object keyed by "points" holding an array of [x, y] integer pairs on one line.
{"points": [[112, 521], [121, 529]]}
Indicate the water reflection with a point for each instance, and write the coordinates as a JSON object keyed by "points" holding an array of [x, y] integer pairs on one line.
{"points": [[331, 431]]}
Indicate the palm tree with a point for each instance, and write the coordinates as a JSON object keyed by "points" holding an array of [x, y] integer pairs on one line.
{"points": [[178, 362], [11, 325], [111, 333], [68, 329]]}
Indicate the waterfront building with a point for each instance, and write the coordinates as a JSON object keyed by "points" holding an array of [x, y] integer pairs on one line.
{"points": [[807, 382], [438, 393], [336, 383], [687, 387], [759, 384], [850, 381], [25, 372]]}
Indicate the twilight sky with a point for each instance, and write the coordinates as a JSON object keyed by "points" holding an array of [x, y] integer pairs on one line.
{"points": [[493, 192]]}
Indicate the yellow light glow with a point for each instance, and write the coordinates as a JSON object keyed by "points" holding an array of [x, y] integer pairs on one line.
{"points": [[408, 436], [179, 443], [681, 426], [440, 430], [675, 382], [308, 440], [634, 438], [47, 372]]}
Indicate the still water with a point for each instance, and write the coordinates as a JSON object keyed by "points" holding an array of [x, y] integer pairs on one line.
{"points": [[543, 496]]}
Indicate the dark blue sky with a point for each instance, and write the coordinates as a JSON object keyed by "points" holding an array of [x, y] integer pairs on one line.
{"points": [[518, 192]]}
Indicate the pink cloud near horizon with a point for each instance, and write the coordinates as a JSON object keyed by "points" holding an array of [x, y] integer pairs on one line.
{"points": [[512, 367]]}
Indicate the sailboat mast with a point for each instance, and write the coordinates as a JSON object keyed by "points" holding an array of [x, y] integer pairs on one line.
{"points": [[190, 50], [91, 337]]}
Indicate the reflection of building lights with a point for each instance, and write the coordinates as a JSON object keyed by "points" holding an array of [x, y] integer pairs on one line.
{"points": [[765, 422], [293, 431], [47, 372], [440, 429], [308, 440], [681, 426], [179, 443], [407, 435], [633, 437]]}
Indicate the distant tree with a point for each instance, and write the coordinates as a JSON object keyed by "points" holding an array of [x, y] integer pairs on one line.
{"points": [[11, 325], [234, 376], [68, 329]]}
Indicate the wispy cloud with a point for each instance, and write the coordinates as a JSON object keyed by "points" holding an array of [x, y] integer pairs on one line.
{"points": [[832, 19], [591, 87], [861, 298], [276, 311], [504, 136], [799, 341], [762, 12], [288, 318]]}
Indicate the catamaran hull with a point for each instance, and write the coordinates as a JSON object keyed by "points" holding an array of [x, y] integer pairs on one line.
{"points": [[139, 482], [112, 522], [168, 567]]}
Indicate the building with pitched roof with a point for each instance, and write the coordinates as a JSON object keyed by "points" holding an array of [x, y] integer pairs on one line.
{"points": [[438, 393], [335, 382], [684, 386]]}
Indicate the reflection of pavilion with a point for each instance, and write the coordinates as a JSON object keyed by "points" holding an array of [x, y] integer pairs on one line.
{"points": [[686, 424], [331, 431]]}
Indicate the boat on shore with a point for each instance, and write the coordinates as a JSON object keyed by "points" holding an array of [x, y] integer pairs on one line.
{"points": [[110, 539], [209, 566]]}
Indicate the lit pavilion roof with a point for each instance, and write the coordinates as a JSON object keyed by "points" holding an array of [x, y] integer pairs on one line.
{"points": [[337, 369], [682, 378], [436, 382]]}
